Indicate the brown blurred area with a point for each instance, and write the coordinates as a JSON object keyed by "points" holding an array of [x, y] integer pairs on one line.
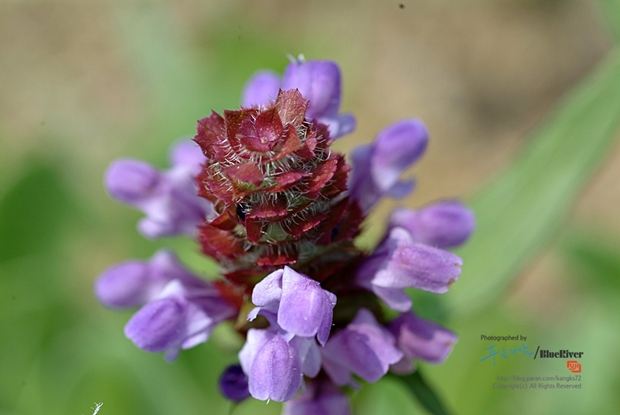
{"points": [[481, 74]]}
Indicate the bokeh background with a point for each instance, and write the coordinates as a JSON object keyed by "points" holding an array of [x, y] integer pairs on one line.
{"points": [[83, 83]]}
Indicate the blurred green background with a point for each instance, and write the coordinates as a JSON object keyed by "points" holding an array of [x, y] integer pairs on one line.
{"points": [[82, 83]]}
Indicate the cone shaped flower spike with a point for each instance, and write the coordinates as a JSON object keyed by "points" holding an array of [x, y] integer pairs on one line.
{"points": [[265, 196]]}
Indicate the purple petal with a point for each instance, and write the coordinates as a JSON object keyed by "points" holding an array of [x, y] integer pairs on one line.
{"points": [[255, 340], [319, 83], [166, 266], [153, 227], [401, 189], [395, 298], [275, 372], [311, 359], [234, 384], [400, 263], [395, 149], [134, 283], [422, 339], [342, 125], [445, 224], [175, 209], [412, 265], [269, 290], [169, 199], [156, 327], [182, 317], [261, 89], [361, 186], [131, 181], [305, 308], [377, 167], [122, 285], [403, 367], [364, 348], [187, 155], [320, 397], [338, 371]]}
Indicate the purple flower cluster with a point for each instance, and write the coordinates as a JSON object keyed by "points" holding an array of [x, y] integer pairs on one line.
{"points": [[179, 310], [168, 199], [309, 333]]}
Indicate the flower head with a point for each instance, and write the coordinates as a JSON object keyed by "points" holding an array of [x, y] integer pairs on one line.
{"points": [[267, 198]]}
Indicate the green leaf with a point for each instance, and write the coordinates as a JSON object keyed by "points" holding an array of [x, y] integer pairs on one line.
{"points": [[520, 212], [418, 387], [610, 10]]}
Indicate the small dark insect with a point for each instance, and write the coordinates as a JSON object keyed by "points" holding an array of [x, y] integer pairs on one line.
{"points": [[241, 211], [402, 6]]}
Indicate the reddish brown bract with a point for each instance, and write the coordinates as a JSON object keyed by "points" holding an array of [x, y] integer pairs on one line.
{"points": [[277, 189]]}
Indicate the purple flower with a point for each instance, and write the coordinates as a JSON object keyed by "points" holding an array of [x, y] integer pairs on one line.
{"points": [[318, 81], [275, 363], [364, 348], [168, 198], [267, 197], [400, 263], [421, 339], [181, 317], [444, 224], [134, 283], [298, 309], [377, 167], [319, 397], [302, 307], [234, 384]]}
